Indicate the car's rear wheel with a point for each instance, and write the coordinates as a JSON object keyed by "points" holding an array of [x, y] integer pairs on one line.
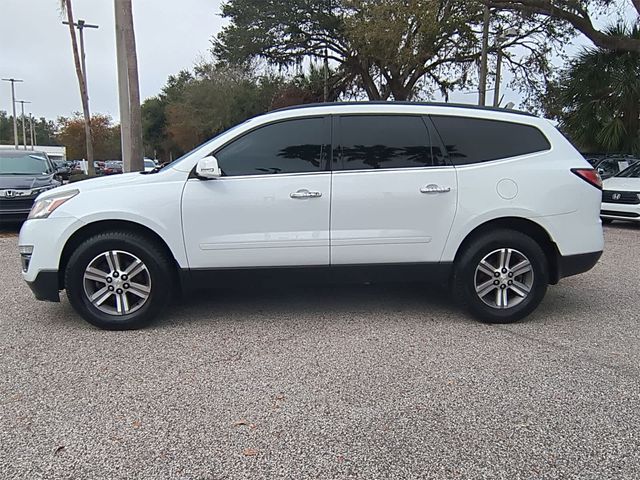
{"points": [[502, 276], [118, 280]]}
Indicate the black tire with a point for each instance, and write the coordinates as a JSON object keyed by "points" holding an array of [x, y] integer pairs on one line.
{"points": [[465, 276], [606, 221], [158, 273]]}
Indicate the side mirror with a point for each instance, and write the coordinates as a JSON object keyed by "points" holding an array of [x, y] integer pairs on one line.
{"points": [[208, 168], [601, 171]]}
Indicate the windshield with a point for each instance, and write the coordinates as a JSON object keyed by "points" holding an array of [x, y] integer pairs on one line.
{"points": [[632, 172], [186, 155], [149, 163], [24, 165]]}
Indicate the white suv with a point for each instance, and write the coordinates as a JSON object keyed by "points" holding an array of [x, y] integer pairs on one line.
{"points": [[496, 202]]}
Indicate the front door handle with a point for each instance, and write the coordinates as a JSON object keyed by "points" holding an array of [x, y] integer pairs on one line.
{"points": [[304, 193], [433, 188]]}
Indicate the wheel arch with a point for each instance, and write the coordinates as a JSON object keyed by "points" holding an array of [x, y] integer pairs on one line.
{"points": [[101, 226], [523, 225]]}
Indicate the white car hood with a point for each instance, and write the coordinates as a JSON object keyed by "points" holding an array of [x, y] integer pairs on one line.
{"points": [[103, 183], [622, 184]]}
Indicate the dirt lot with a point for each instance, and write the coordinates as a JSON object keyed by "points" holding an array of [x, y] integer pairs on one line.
{"points": [[328, 382]]}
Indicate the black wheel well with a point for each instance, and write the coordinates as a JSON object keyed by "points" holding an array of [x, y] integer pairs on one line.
{"points": [[523, 225], [102, 226]]}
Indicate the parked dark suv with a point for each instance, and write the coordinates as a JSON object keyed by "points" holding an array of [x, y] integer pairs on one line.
{"points": [[24, 174]]}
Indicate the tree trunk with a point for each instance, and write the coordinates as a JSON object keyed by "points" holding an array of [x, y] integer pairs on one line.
{"points": [[125, 31], [83, 90]]}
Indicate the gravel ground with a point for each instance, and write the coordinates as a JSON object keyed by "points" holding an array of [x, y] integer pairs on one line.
{"points": [[350, 382]]}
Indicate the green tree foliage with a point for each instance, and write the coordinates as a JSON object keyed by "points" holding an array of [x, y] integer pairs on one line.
{"points": [[387, 48], [597, 98], [44, 130], [105, 135]]}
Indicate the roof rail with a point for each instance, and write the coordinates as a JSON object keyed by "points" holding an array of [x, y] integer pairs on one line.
{"points": [[425, 104]]}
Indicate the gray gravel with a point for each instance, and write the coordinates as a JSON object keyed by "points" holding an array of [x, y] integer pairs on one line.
{"points": [[350, 382]]}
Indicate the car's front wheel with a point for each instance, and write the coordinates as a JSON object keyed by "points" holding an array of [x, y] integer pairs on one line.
{"points": [[502, 276], [118, 280]]}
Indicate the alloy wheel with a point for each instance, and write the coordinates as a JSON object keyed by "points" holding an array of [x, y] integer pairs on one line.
{"points": [[504, 278], [117, 282]]}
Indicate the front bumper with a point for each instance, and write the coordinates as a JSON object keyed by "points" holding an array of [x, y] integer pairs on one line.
{"points": [[46, 286], [620, 211]]}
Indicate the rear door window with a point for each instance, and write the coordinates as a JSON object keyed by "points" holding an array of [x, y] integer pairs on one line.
{"points": [[475, 140], [386, 141]]}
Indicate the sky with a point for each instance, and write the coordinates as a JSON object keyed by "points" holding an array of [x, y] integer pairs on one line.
{"points": [[36, 47], [170, 35]]}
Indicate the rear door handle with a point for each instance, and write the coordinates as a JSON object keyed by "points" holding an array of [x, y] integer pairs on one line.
{"points": [[433, 188], [304, 193]]}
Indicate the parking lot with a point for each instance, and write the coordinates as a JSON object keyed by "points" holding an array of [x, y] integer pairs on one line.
{"points": [[328, 382]]}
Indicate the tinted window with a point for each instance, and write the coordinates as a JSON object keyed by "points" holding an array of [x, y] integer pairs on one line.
{"points": [[286, 147], [386, 141], [473, 140]]}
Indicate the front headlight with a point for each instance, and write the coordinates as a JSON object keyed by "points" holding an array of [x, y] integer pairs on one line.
{"points": [[44, 207]]}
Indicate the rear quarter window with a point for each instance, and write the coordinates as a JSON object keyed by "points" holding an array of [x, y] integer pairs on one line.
{"points": [[476, 140]]}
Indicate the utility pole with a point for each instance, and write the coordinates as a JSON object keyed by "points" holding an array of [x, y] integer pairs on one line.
{"points": [[31, 129], [13, 104], [24, 129], [482, 87], [128, 88], [499, 44], [81, 25], [496, 90], [81, 76]]}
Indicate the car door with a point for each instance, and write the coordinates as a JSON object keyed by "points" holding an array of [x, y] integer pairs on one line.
{"points": [[393, 194], [270, 207]]}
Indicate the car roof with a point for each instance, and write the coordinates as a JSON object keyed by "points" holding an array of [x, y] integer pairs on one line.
{"points": [[12, 152], [412, 104]]}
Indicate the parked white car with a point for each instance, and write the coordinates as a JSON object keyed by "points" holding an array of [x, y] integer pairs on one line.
{"points": [[149, 165], [495, 202], [621, 196]]}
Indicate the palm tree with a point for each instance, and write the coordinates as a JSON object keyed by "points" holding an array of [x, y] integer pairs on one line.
{"points": [[129, 88], [65, 6], [599, 98]]}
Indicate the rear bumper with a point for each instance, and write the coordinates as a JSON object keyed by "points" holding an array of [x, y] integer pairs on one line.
{"points": [[569, 265], [46, 286]]}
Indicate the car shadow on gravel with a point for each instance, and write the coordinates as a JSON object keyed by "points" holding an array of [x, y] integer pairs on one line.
{"points": [[9, 229], [313, 302]]}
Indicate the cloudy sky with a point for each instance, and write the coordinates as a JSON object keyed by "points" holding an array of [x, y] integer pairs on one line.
{"points": [[35, 47], [171, 35]]}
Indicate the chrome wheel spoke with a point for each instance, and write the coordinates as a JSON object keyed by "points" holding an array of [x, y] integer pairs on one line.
{"points": [[484, 289], [122, 304], [486, 268], [99, 297], [520, 289], [139, 290], [507, 259], [521, 268], [134, 269], [96, 275], [503, 258], [502, 299]]}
